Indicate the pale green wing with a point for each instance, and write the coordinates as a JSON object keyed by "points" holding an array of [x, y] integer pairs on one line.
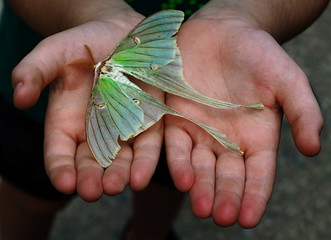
{"points": [[170, 78], [151, 41], [154, 110], [150, 53], [111, 115]]}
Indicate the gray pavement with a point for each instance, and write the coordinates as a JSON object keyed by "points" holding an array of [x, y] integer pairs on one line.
{"points": [[300, 204]]}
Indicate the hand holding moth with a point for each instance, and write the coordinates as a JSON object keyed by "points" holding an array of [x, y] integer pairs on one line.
{"points": [[69, 162], [226, 57], [120, 110], [61, 60]]}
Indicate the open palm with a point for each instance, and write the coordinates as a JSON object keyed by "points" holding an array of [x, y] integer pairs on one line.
{"points": [[60, 60], [232, 61]]}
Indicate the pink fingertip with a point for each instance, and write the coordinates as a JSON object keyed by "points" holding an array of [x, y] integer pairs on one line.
{"points": [[25, 96]]}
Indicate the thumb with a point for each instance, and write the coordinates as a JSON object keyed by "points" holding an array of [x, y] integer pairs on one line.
{"points": [[34, 73], [303, 113]]}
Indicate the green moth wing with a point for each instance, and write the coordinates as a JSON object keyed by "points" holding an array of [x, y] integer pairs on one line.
{"points": [[112, 115], [150, 42], [109, 121], [154, 109], [150, 54]]}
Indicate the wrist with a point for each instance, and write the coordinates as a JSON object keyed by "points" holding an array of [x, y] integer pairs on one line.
{"points": [[242, 10], [283, 19], [113, 11], [51, 16]]}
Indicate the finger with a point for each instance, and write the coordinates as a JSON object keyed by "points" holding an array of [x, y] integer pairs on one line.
{"points": [[260, 175], [178, 149], [230, 181], [49, 60], [89, 174], [60, 158], [33, 74], [117, 175], [147, 148], [59, 161], [202, 191], [303, 113], [64, 129]]}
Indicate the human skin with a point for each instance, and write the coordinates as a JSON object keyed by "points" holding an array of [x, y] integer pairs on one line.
{"points": [[230, 52]]}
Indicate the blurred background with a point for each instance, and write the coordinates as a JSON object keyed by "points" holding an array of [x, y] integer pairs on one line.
{"points": [[300, 205]]}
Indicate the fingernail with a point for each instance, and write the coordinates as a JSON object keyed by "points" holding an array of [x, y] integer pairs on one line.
{"points": [[18, 86]]}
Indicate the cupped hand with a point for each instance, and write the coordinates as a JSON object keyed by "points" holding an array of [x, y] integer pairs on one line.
{"points": [[230, 59], [61, 61]]}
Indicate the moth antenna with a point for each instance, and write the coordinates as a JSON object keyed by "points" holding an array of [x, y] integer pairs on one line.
{"points": [[88, 63], [90, 54]]}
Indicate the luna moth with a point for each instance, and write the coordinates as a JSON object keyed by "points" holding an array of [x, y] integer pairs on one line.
{"points": [[119, 109]]}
